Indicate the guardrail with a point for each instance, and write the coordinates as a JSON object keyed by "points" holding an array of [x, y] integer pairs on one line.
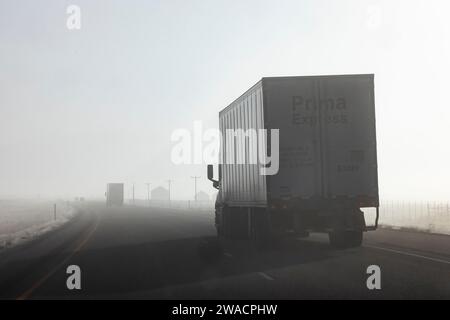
{"points": [[431, 216]]}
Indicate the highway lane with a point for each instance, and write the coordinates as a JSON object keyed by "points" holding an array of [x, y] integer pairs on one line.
{"points": [[151, 253]]}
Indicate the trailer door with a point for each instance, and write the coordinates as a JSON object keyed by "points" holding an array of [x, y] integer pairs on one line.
{"points": [[348, 138]]}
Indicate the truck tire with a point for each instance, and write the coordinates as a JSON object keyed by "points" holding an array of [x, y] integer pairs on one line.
{"points": [[345, 239], [302, 234], [260, 235], [354, 238], [231, 223], [219, 221]]}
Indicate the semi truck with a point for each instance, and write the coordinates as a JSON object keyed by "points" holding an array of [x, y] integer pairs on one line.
{"points": [[320, 136], [114, 194]]}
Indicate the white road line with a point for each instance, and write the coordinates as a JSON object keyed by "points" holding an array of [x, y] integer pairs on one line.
{"points": [[409, 254], [228, 255], [265, 276]]}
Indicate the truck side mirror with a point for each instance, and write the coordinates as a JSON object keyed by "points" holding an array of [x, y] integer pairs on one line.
{"points": [[211, 176], [210, 172]]}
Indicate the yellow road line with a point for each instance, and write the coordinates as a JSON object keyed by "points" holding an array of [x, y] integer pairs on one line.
{"points": [[78, 248]]}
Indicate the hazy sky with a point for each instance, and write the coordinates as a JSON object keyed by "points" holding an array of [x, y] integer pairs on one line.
{"points": [[80, 108]]}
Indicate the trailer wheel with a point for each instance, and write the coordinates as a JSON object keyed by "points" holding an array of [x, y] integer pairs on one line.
{"points": [[355, 238], [220, 221], [260, 235], [345, 239], [302, 234]]}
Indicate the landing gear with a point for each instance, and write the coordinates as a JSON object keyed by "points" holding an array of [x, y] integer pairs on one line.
{"points": [[244, 224]]}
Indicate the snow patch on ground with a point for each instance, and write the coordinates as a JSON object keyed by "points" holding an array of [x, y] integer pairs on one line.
{"points": [[24, 220]]}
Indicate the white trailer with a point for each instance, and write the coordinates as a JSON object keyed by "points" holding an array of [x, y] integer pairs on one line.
{"points": [[327, 159], [114, 194]]}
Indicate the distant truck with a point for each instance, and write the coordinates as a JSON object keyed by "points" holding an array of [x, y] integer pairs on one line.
{"points": [[327, 160], [114, 194]]}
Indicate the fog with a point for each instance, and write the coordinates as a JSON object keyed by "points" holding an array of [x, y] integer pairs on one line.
{"points": [[80, 108]]}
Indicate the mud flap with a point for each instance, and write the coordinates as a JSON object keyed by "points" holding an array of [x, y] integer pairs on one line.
{"points": [[348, 227]]}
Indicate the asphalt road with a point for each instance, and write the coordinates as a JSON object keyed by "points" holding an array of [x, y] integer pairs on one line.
{"points": [[153, 253]]}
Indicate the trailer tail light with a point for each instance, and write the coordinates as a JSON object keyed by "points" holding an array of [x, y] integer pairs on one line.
{"points": [[279, 206], [365, 202]]}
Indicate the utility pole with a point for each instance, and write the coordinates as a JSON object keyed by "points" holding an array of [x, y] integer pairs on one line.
{"points": [[169, 182], [133, 195], [195, 186], [148, 193]]}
